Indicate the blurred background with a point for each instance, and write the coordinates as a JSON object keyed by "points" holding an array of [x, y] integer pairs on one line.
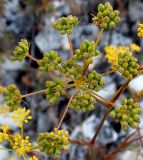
{"points": [[32, 19]]}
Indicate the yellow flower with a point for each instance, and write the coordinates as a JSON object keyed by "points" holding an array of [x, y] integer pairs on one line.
{"points": [[140, 30], [112, 55], [4, 135], [123, 49], [2, 89], [33, 158], [5, 128], [135, 47], [12, 159], [21, 116], [21, 145]]}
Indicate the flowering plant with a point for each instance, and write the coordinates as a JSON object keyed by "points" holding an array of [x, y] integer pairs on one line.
{"points": [[85, 86]]}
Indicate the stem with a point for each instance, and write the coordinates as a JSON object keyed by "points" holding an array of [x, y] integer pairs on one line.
{"points": [[100, 126], [113, 99], [6, 149], [33, 58], [35, 147], [120, 90], [109, 72], [134, 140], [71, 47], [33, 93], [100, 99], [65, 111], [99, 37], [80, 142], [22, 131], [86, 64], [124, 144]]}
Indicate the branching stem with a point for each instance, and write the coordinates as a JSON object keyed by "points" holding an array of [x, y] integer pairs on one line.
{"points": [[65, 111], [71, 47], [33, 58], [33, 93]]}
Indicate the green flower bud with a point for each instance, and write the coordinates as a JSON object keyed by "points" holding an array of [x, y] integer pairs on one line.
{"points": [[101, 7], [65, 25], [106, 16], [82, 101], [12, 97], [113, 114], [50, 61], [21, 51], [53, 143], [54, 90]]}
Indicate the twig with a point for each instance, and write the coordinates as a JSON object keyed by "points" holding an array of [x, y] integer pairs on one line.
{"points": [[113, 99], [85, 65], [108, 72], [71, 47], [33, 93], [80, 142], [100, 126], [65, 111], [124, 144], [120, 90], [33, 58]]}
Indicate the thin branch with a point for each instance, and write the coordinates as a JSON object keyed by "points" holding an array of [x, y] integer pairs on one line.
{"points": [[65, 111], [85, 65], [99, 37], [108, 72], [33, 93], [134, 140], [100, 126], [101, 99], [119, 91], [113, 99], [80, 142], [33, 58], [121, 146], [71, 47]]}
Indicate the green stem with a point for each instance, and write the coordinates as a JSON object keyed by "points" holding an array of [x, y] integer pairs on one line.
{"points": [[6, 149], [33, 93], [86, 64], [71, 47], [33, 58], [65, 111]]}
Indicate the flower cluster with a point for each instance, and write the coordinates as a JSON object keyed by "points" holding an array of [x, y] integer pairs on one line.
{"points": [[106, 17], [65, 25], [21, 51], [53, 143], [94, 81], [50, 61], [86, 51], [2, 89], [112, 55], [4, 135], [31, 158], [127, 65], [127, 114], [54, 90], [82, 101], [12, 97], [21, 146], [21, 116], [70, 69], [135, 48], [140, 30]]}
